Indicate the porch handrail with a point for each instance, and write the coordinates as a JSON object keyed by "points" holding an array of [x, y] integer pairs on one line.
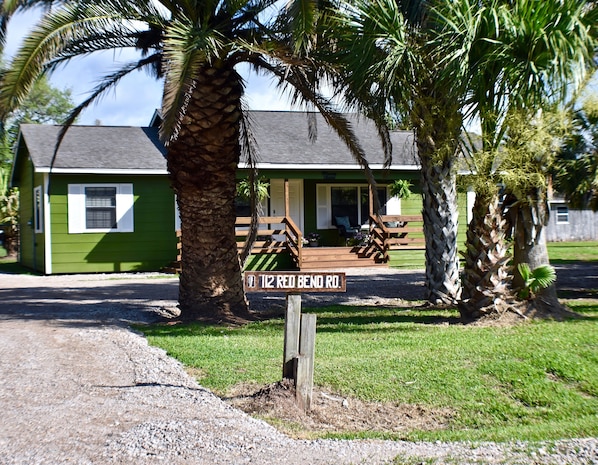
{"points": [[378, 235], [293, 242], [384, 238]]}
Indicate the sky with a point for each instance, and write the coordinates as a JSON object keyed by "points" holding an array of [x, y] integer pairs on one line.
{"points": [[134, 100]]}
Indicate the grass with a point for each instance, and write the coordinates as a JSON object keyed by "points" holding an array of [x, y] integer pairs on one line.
{"points": [[559, 252], [569, 252], [535, 381], [10, 265]]}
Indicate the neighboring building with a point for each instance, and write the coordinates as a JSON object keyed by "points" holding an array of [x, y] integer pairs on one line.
{"points": [[565, 224]]}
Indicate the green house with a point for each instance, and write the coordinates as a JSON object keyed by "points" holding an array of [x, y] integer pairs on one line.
{"points": [[103, 203]]}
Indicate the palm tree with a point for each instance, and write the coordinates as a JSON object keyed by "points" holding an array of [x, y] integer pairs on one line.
{"points": [[529, 150], [390, 65], [196, 47], [515, 56]]}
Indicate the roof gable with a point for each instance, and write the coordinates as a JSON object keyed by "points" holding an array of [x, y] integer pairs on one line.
{"points": [[88, 148]]}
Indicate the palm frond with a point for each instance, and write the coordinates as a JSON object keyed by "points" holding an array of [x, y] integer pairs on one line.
{"points": [[303, 16], [249, 149], [107, 83], [544, 276], [57, 32], [9, 7]]}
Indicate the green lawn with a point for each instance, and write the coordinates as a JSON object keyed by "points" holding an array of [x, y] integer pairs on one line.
{"points": [[10, 265], [567, 252], [559, 252], [533, 381]]}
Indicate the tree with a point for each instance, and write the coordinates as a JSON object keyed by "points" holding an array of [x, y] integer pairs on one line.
{"points": [[196, 48], [529, 150], [392, 64], [515, 57], [9, 214], [44, 104], [575, 171]]}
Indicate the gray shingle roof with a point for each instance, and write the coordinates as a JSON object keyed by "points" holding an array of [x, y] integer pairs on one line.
{"points": [[282, 139], [95, 147]]}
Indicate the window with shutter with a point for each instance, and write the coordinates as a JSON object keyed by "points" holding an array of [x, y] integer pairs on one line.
{"points": [[100, 208]]}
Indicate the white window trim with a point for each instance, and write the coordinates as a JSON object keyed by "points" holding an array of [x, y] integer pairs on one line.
{"points": [[38, 210], [564, 213], [124, 208]]}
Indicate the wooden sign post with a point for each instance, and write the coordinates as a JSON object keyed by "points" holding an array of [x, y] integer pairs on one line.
{"points": [[299, 330]]}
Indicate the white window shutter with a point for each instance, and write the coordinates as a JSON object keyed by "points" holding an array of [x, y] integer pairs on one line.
{"points": [[76, 208], [324, 214], [124, 208]]}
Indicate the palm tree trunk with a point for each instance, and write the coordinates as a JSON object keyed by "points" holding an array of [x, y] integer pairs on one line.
{"points": [[529, 218], [202, 161], [486, 281], [438, 125], [440, 230]]}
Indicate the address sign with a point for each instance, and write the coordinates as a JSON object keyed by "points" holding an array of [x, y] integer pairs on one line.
{"points": [[277, 281]]}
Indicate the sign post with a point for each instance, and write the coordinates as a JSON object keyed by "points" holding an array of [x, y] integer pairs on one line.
{"points": [[299, 330]]}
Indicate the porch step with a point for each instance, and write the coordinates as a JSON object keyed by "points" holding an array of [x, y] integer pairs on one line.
{"points": [[318, 258]]}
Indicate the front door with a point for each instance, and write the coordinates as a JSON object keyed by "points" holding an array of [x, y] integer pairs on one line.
{"points": [[295, 200]]}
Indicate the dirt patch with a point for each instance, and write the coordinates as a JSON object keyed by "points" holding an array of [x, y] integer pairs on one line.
{"points": [[332, 413]]}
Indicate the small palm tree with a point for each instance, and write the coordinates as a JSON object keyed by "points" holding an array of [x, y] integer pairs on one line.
{"points": [[536, 280], [195, 47]]}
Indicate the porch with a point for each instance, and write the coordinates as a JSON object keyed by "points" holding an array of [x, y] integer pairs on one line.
{"points": [[280, 235], [366, 246]]}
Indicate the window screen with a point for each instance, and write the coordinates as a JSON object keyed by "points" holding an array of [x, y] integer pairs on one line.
{"points": [[562, 214], [100, 207]]}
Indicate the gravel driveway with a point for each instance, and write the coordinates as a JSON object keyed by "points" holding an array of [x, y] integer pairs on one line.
{"points": [[78, 386]]}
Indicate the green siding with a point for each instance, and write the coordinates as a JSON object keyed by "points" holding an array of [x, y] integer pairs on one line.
{"points": [[150, 247], [31, 251]]}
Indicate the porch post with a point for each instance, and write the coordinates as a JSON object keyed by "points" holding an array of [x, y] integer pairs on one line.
{"points": [[287, 207], [371, 202], [286, 198]]}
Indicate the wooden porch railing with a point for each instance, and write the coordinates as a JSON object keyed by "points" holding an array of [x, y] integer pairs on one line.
{"points": [[270, 239], [394, 232], [288, 237], [278, 234]]}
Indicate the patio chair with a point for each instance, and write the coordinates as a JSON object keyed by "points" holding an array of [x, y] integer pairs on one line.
{"points": [[345, 230]]}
